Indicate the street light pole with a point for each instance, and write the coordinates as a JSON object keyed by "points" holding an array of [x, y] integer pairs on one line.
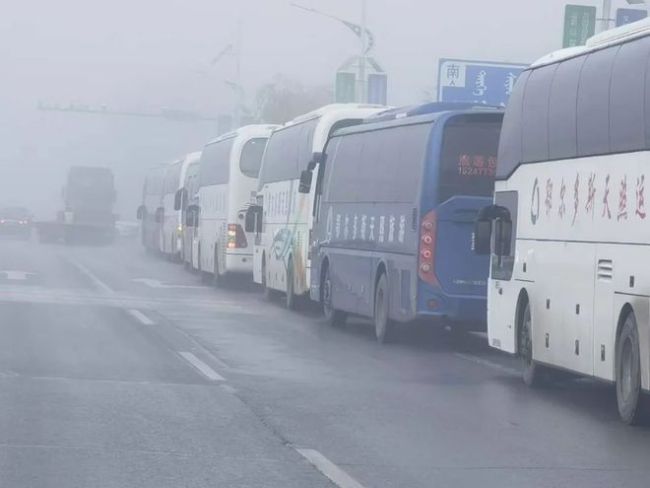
{"points": [[363, 96], [606, 15]]}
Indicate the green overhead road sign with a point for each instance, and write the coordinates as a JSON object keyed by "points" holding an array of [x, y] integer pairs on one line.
{"points": [[579, 24]]}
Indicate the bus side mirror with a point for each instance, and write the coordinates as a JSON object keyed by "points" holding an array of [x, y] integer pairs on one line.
{"points": [[253, 221], [305, 181], [140, 213], [482, 237]]}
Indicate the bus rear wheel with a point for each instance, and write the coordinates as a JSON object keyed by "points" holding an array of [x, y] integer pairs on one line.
{"points": [[291, 298], [532, 372], [217, 277], [333, 317], [384, 326], [632, 404]]}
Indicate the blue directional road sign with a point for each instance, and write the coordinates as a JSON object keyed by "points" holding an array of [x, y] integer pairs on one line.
{"points": [[480, 82], [629, 15]]}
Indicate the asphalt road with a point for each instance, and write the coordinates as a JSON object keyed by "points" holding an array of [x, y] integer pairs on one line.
{"points": [[118, 369]]}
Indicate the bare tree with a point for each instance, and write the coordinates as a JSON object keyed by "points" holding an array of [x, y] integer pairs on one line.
{"points": [[283, 99]]}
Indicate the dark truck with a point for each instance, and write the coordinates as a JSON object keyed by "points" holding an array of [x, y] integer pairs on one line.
{"points": [[87, 215]]}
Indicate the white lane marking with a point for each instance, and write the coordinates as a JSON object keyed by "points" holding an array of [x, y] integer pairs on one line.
{"points": [[203, 368], [92, 277], [159, 284], [140, 317], [335, 474], [17, 275], [486, 362]]}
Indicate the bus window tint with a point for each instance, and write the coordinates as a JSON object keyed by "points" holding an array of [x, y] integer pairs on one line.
{"points": [[289, 152], [215, 163], [251, 157], [468, 158]]}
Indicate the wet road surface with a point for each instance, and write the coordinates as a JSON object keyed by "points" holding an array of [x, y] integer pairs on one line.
{"points": [[118, 369]]}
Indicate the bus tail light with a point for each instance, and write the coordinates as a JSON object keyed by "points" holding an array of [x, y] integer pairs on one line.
{"points": [[427, 251], [236, 237]]}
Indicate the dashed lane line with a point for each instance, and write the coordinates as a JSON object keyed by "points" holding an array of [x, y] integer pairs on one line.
{"points": [[203, 368], [335, 474], [91, 276], [140, 317]]}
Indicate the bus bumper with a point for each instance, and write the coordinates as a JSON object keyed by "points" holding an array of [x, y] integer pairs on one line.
{"points": [[239, 263], [463, 310]]}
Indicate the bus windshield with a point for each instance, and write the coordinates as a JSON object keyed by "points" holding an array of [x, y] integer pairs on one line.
{"points": [[468, 156], [251, 157]]}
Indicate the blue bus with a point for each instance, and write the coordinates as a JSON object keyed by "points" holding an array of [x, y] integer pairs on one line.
{"points": [[397, 198]]}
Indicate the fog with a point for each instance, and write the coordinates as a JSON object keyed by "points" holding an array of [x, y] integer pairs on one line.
{"points": [[147, 56]]}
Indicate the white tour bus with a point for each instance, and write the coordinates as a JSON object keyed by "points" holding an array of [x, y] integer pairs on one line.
{"points": [[171, 237], [150, 211], [187, 202], [228, 174], [568, 232], [284, 215]]}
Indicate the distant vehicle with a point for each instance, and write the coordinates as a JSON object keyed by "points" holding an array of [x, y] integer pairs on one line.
{"points": [[568, 231], [150, 213], [15, 221], [87, 215], [187, 201], [395, 209], [282, 217], [172, 223], [127, 229], [228, 174]]}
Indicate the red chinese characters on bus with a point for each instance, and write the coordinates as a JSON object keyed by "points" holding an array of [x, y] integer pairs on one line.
{"points": [[562, 208], [591, 194], [477, 165], [622, 200], [640, 197], [606, 211]]}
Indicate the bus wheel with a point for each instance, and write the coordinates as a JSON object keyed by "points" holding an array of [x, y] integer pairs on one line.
{"points": [[384, 326], [532, 372], [217, 277], [333, 317], [630, 398], [269, 293], [291, 296]]}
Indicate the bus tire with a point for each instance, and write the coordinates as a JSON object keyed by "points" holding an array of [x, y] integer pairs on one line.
{"points": [[333, 317], [269, 293], [217, 277], [632, 403], [291, 299], [384, 326], [532, 373]]}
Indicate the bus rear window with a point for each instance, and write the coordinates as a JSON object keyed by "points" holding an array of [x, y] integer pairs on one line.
{"points": [[251, 157], [469, 156]]}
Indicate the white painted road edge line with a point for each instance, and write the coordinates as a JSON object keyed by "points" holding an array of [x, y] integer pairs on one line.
{"points": [[335, 474], [203, 368], [91, 276], [486, 362], [140, 317]]}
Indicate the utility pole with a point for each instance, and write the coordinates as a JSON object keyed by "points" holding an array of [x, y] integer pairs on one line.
{"points": [[363, 96], [606, 16]]}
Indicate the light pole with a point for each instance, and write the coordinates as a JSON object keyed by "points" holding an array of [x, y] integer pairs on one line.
{"points": [[606, 18], [362, 32]]}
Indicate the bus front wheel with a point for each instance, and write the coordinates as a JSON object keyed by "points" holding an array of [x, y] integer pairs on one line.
{"points": [[630, 399], [333, 317], [384, 326]]}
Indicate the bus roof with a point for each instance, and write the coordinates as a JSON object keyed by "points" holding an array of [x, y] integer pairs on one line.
{"points": [[253, 129], [328, 109], [618, 35], [429, 112]]}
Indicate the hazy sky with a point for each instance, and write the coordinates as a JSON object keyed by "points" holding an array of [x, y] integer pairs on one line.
{"points": [[149, 54]]}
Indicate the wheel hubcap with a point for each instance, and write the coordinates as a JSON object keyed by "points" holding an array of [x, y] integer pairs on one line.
{"points": [[627, 367]]}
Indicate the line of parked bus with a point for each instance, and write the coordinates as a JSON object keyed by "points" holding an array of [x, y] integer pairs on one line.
{"points": [[398, 214]]}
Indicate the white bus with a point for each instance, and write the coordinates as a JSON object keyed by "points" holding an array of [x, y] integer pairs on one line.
{"points": [[187, 202], [570, 239], [281, 260], [150, 211], [228, 174]]}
